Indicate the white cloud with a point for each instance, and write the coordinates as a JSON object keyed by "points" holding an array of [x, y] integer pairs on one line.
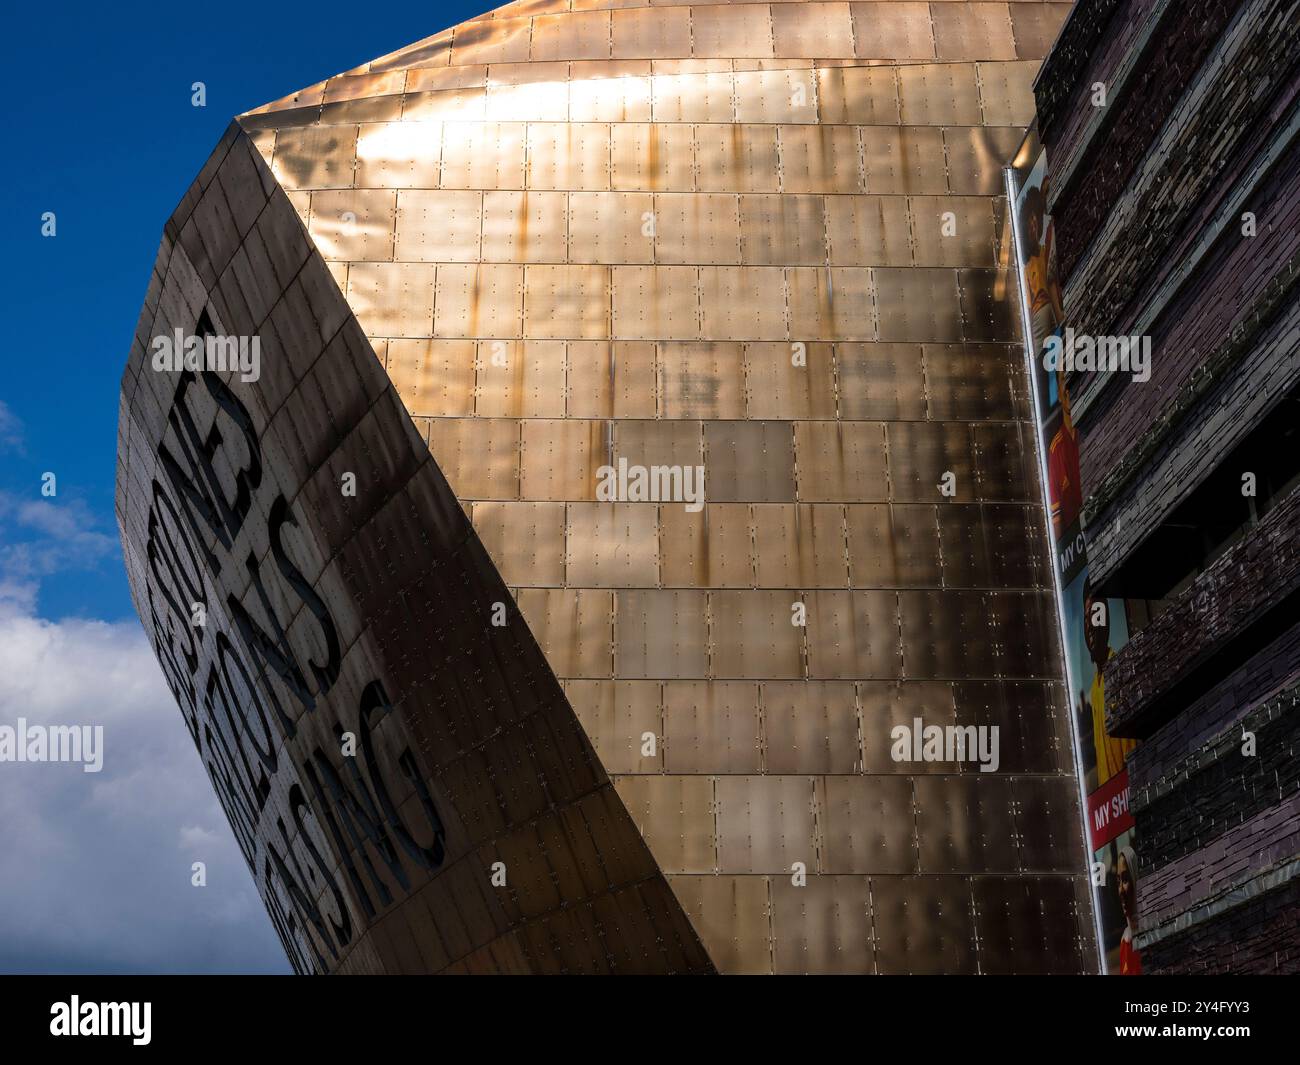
{"points": [[96, 867], [41, 537], [11, 430]]}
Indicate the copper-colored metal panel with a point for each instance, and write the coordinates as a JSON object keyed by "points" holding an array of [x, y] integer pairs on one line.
{"points": [[566, 302], [962, 823], [709, 548], [525, 540], [559, 457], [431, 51], [821, 159], [439, 226], [810, 727], [498, 41], [923, 454], [742, 302], [616, 715], [542, 97], [781, 95], [918, 304], [1022, 624], [749, 461], [478, 456], [813, 31], [711, 727], [611, 380], [520, 379], [881, 381], [656, 303], [789, 380], [1035, 27], [580, 35], [889, 704], [661, 634], [464, 103], [965, 546], [866, 96], [976, 155], [696, 228], [1018, 554], [953, 232], [573, 628], [610, 227], [985, 308], [781, 229], [393, 299], [367, 109], [706, 97], [1003, 462], [1047, 820], [1006, 93], [924, 924], [736, 158], [667, 443], [972, 31], [435, 378], [479, 300], [800, 545], [724, 30], [483, 155], [353, 224], [398, 155], [823, 926], [867, 824], [840, 462], [315, 157], [893, 546], [568, 155], [651, 33], [853, 634], [895, 30], [765, 824], [612, 546], [701, 380], [832, 303], [651, 156], [675, 815], [939, 94], [730, 913], [754, 634], [624, 98], [525, 227], [868, 230], [1028, 925], [947, 634], [902, 160]]}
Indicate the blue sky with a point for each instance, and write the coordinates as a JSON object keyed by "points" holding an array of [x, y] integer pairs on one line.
{"points": [[95, 873]]}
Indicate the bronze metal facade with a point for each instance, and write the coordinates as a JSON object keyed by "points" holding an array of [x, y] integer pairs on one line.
{"points": [[762, 241]]}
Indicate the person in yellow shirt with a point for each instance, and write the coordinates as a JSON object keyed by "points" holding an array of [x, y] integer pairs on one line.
{"points": [[1111, 751]]}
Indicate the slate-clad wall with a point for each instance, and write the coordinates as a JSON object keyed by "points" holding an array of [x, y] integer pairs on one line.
{"points": [[1147, 198]]}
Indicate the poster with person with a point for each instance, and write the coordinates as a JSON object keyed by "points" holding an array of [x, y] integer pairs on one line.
{"points": [[1094, 627]]}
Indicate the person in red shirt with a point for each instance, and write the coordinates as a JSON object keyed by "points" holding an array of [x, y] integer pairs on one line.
{"points": [[1064, 495]]}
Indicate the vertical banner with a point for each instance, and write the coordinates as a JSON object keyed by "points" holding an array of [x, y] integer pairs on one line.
{"points": [[1093, 628]]}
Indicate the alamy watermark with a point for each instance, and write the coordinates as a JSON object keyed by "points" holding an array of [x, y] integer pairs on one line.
{"points": [[1131, 355], [631, 483], [176, 352], [53, 743], [77, 1018], [919, 742]]}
